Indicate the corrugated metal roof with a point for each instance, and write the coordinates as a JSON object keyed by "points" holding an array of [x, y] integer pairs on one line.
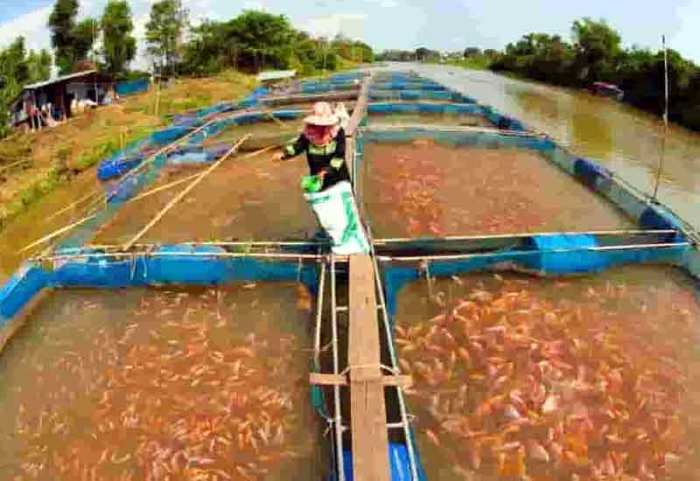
{"points": [[38, 85], [276, 75]]}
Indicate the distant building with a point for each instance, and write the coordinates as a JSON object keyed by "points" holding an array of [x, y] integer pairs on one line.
{"points": [[274, 76], [54, 99]]}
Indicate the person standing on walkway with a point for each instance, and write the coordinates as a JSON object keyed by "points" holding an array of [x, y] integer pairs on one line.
{"points": [[323, 141], [328, 189]]}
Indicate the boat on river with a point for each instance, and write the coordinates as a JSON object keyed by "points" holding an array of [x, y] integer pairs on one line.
{"points": [[607, 90], [524, 312]]}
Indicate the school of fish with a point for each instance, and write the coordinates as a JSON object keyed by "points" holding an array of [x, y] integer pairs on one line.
{"points": [[177, 394], [580, 385], [431, 188]]}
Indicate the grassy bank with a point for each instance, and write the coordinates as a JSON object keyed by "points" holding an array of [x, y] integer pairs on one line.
{"points": [[32, 165], [473, 63]]}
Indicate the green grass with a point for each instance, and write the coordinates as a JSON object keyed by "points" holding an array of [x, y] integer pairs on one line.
{"points": [[110, 146], [473, 63], [32, 194]]}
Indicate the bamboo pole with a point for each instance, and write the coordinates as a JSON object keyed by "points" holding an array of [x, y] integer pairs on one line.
{"points": [[278, 121], [183, 193], [190, 177], [163, 187], [13, 164], [73, 204], [160, 151], [156, 108], [56, 233], [529, 234]]}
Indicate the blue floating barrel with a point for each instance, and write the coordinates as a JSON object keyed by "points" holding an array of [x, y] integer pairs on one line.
{"points": [[169, 135], [117, 166], [589, 172], [565, 254], [657, 218], [179, 265]]}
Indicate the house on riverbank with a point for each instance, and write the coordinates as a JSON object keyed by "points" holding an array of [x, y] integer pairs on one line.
{"points": [[44, 103]]}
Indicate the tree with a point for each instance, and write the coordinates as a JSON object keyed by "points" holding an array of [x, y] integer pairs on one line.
{"points": [[164, 32], [119, 46], [471, 52], [425, 54], [352, 50], [255, 40], [71, 42], [39, 65], [208, 51], [84, 36], [17, 68], [263, 39], [62, 25], [597, 48]]}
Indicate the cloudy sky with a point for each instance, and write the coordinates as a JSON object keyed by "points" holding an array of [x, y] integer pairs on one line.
{"points": [[439, 24]]}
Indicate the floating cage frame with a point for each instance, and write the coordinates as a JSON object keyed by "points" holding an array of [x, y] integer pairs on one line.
{"points": [[661, 238]]}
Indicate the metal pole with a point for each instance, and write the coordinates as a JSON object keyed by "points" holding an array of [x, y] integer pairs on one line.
{"points": [[319, 315], [663, 139], [336, 370]]}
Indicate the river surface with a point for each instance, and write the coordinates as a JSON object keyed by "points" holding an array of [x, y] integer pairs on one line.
{"points": [[624, 139]]}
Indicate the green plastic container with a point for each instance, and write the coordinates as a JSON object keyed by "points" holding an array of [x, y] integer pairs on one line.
{"points": [[311, 183]]}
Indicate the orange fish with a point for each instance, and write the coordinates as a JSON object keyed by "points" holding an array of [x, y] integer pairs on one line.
{"points": [[304, 300], [512, 464], [432, 437]]}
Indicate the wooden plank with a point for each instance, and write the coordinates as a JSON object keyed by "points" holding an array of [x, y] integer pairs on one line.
{"points": [[320, 379], [328, 379], [370, 445]]}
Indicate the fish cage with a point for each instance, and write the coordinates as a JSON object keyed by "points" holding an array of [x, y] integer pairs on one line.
{"points": [[187, 361], [242, 190], [392, 113], [496, 330], [429, 180], [549, 376]]}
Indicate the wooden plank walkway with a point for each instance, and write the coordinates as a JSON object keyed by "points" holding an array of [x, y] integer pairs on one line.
{"points": [[370, 444]]}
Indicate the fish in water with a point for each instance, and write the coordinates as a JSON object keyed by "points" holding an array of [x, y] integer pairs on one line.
{"points": [[304, 301], [554, 382]]}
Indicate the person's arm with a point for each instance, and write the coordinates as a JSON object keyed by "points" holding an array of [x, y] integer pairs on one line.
{"points": [[339, 155], [297, 147]]}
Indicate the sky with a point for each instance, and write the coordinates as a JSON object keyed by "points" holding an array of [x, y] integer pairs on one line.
{"points": [[408, 24]]}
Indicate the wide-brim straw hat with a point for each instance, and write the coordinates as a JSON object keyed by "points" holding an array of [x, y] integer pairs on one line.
{"points": [[322, 114]]}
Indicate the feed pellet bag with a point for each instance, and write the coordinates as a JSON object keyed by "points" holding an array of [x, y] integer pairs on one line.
{"points": [[336, 211]]}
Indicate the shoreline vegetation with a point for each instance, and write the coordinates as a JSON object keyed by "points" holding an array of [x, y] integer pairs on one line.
{"points": [[594, 54]]}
